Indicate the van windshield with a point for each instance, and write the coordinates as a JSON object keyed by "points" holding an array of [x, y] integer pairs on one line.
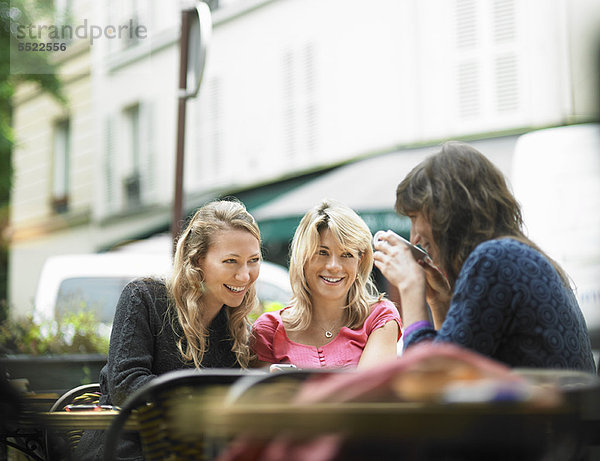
{"points": [[99, 294]]}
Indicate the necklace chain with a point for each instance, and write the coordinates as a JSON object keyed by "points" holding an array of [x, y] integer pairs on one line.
{"points": [[329, 331]]}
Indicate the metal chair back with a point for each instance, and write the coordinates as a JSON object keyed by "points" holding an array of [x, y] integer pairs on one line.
{"points": [[60, 445], [154, 406]]}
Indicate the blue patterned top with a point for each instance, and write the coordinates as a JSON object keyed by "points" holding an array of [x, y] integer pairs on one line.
{"points": [[510, 304]]}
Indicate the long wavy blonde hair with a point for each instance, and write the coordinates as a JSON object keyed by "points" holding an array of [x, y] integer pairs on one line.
{"points": [[186, 282], [353, 234]]}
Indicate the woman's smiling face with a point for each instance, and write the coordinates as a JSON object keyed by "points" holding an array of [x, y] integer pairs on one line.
{"points": [[230, 267], [331, 271]]}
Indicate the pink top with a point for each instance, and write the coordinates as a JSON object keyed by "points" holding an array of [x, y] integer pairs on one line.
{"points": [[271, 344]]}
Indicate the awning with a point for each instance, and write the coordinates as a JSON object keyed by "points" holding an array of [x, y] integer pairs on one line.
{"points": [[279, 229], [367, 186], [262, 194], [252, 196]]}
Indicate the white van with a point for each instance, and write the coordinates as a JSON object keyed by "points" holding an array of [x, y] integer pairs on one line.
{"points": [[556, 178], [95, 281]]}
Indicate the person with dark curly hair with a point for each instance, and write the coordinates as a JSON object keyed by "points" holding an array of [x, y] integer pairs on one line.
{"points": [[485, 286]]}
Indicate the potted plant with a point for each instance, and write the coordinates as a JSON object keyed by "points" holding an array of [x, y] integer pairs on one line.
{"points": [[53, 356]]}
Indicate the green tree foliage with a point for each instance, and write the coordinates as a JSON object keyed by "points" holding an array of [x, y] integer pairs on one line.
{"points": [[11, 14]]}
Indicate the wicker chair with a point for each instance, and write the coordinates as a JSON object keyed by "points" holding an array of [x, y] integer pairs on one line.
{"points": [[156, 404]]}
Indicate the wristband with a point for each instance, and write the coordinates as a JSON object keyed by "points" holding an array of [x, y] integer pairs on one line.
{"points": [[417, 326]]}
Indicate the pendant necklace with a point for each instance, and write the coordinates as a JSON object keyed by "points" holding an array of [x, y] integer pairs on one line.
{"points": [[328, 331]]}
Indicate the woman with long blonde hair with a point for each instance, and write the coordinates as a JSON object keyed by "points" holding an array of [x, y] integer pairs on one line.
{"points": [[204, 287], [196, 319], [336, 317]]}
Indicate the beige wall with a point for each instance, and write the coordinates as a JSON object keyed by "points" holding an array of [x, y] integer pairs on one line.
{"points": [[36, 230]]}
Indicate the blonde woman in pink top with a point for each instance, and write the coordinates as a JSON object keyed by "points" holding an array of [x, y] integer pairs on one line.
{"points": [[336, 317]]}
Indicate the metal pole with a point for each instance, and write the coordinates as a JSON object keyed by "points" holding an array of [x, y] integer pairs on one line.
{"points": [[177, 220]]}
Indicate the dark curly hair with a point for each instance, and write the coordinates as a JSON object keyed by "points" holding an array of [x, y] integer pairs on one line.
{"points": [[465, 198]]}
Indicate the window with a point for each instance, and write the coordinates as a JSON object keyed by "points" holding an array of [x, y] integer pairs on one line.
{"points": [[63, 19], [97, 294], [63, 10], [61, 166], [129, 167], [127, 16], [132, 173], [488, 69], [216, 4]]}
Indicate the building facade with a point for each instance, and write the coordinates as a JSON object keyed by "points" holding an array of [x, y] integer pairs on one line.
{"points": [[290, 87]]}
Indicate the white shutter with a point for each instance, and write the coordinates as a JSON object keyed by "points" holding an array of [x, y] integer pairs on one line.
{"points": [[147, 154], [487, 65], [300, 111], [109, 168], [506, 82], [207, 159], [505, 67], [289, 100], [468, 68], [215, 119]]}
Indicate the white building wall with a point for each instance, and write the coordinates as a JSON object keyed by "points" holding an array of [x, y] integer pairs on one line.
{"points": [[144, 75], [583, 24], [298, 84], [369, 77]]}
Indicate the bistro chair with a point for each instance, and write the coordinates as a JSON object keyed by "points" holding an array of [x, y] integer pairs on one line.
{"points": [[60, 445], [86, 394], [157, 406], [16, 441]]}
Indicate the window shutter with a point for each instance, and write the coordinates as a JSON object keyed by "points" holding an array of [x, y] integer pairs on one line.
{"points": [[300, 111], [109, 194], [506, 69], [487, 64], [147, 155]]}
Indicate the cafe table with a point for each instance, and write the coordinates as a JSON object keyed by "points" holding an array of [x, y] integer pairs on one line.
{"points": [[376, 430], [86, 420], [517, 430]]}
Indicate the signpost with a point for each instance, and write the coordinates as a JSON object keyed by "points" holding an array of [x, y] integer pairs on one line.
{"points": [[196, 27]]}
